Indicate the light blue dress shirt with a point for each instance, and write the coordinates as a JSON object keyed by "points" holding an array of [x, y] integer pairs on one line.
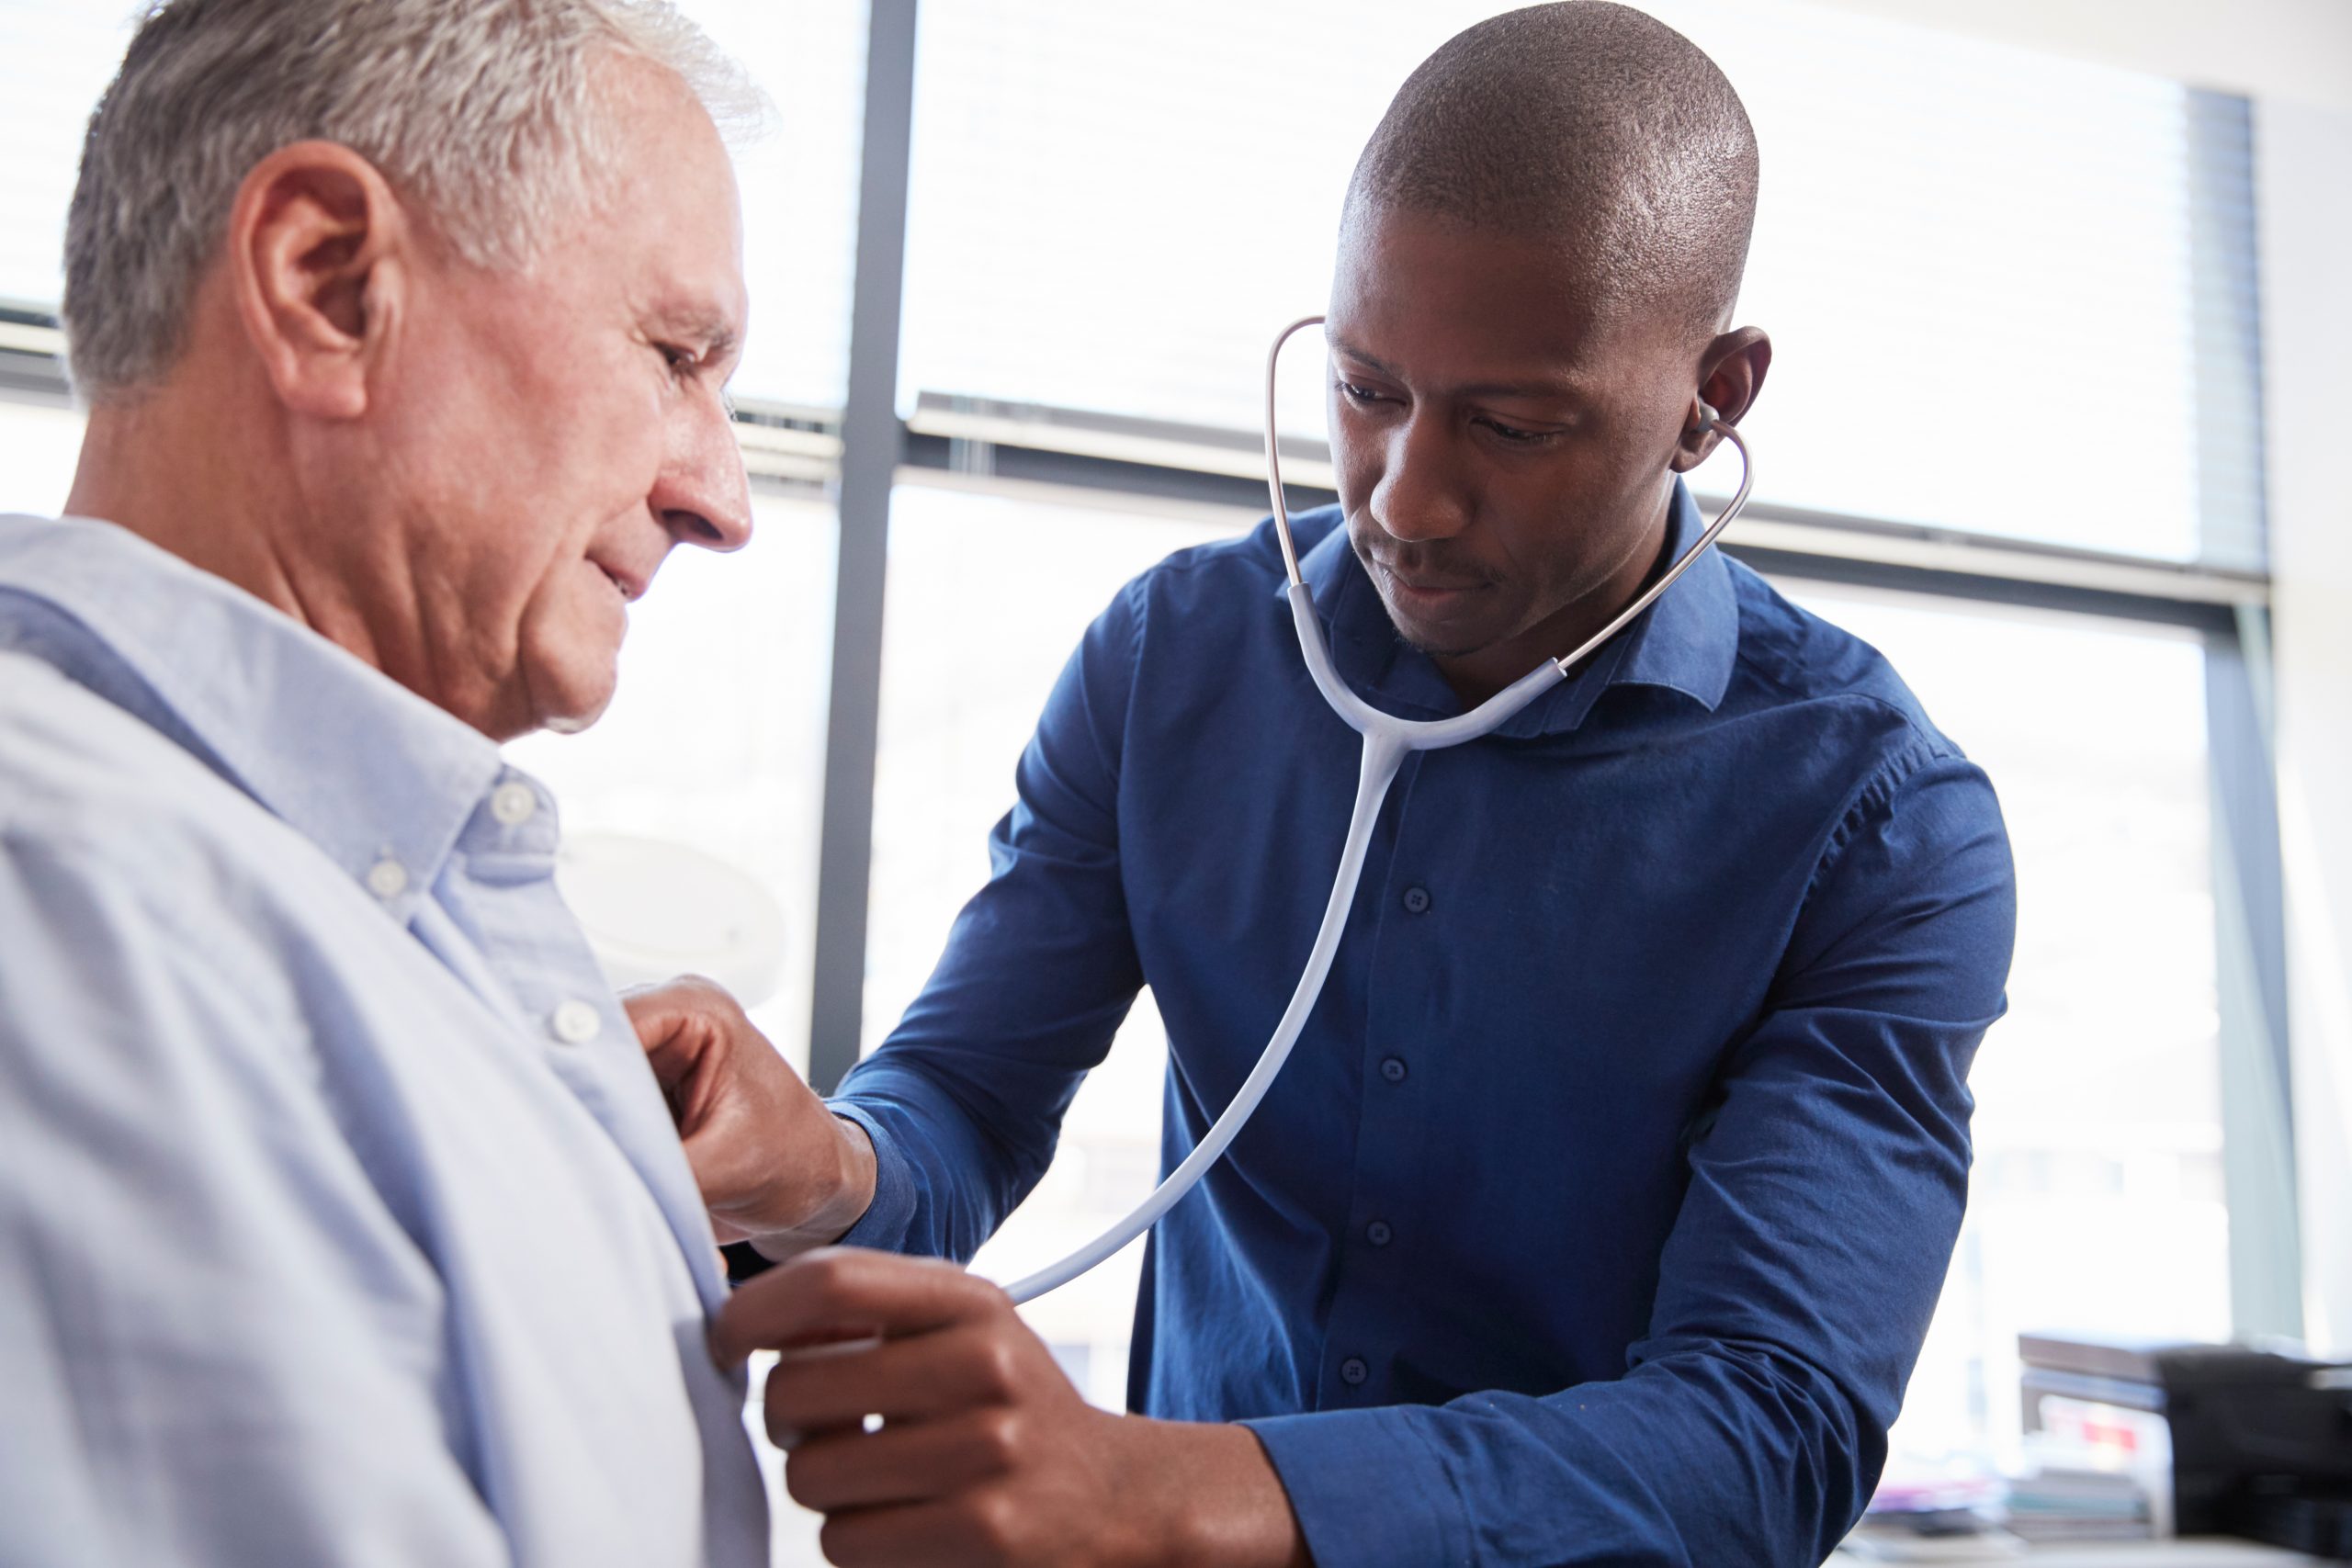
{"points": [[341, 1221]]}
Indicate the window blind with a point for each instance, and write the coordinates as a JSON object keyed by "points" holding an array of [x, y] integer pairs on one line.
{"points": [[55, 59]]}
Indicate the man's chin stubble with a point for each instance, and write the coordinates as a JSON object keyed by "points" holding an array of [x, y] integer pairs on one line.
{"points": [[1434, 646]]}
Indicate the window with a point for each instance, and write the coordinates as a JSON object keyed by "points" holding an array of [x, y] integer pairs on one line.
{"points": [[55, 59], [968, 659], [39, 442], [799, 186], [1996, 276]]}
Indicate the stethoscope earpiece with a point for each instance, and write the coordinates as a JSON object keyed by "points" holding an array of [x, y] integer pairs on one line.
{"points": [[1708, 418]]}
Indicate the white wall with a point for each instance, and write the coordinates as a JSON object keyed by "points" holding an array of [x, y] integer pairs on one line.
{"points": [[2293, 58]]}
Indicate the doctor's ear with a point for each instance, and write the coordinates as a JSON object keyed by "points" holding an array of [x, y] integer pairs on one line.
{"points": [[1731, 373], [316, 245]]}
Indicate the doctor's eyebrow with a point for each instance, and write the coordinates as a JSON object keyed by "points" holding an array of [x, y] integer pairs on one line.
{"points": [[1560, 388], [1341, 345]]}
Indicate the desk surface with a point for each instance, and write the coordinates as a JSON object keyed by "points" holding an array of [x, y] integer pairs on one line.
{"points": [[2215, 1552]]}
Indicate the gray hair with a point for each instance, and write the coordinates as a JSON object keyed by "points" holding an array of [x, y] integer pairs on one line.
{"points": [[484, 111]]}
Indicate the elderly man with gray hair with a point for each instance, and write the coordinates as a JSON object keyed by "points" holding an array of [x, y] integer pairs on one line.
{"points": [[344, 1220]]}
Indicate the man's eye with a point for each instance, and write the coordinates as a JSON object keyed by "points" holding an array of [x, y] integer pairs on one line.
{"points": [[682, 362], [1515, 435], [1356, 394]]}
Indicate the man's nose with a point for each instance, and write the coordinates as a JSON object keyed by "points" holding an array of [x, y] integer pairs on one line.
{"points": [[703, 496], [1420, 494]]}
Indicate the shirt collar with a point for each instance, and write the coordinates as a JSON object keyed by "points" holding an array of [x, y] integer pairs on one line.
{"points": [[356, 762], [1686, 642]]}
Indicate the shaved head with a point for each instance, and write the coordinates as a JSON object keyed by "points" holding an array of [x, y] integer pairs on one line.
{"points": [[1591, 126]]}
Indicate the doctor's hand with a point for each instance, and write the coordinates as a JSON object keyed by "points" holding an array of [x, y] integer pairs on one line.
{"points": [[775, 1167], [983, 1452]]}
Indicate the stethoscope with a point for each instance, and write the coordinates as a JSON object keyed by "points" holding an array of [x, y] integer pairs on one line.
{"points": [[1387, 741]]}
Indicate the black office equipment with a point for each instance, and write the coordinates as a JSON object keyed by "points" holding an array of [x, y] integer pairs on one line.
{"points": [[2261, 1440]]}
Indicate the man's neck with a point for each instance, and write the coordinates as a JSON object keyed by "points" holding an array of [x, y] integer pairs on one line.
{"points": [[183, 468], [158, 463]]}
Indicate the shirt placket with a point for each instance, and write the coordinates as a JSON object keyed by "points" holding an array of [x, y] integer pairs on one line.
{"points": [[568, 1006], [1377, 1246]]}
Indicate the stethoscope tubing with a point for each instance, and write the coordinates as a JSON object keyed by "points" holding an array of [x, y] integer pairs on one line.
{"points": [[1387, 741]]}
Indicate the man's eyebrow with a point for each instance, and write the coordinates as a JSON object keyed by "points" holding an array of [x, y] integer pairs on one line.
{"points": [[1560, 387], [1341, 345], [713, 331]]}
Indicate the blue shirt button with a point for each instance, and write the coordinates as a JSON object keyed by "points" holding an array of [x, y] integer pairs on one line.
{"points": [[1378, 1234], [1417, 900], [1352, 1371], [1392, 1069]]}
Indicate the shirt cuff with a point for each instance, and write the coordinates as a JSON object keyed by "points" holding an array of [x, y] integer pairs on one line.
{"points": [[1367, 1489], [883, 1227]]}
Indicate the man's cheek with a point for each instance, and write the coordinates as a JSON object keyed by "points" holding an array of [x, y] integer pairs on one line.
{"points": [[1355, 462], [577, 619]]}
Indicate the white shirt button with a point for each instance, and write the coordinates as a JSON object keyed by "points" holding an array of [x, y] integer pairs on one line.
{"points": [[575, 1022], [514, 803], [388, 879]]}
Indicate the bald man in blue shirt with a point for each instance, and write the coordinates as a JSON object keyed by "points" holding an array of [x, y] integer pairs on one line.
{"points": [[1601, 1208]]}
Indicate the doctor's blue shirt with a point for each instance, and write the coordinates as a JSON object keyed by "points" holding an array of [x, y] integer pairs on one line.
{"points": [[1601, 1210]]}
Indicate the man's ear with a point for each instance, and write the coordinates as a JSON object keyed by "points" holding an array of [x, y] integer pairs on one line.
{"points": [[316, 250], [1731, 373]]}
